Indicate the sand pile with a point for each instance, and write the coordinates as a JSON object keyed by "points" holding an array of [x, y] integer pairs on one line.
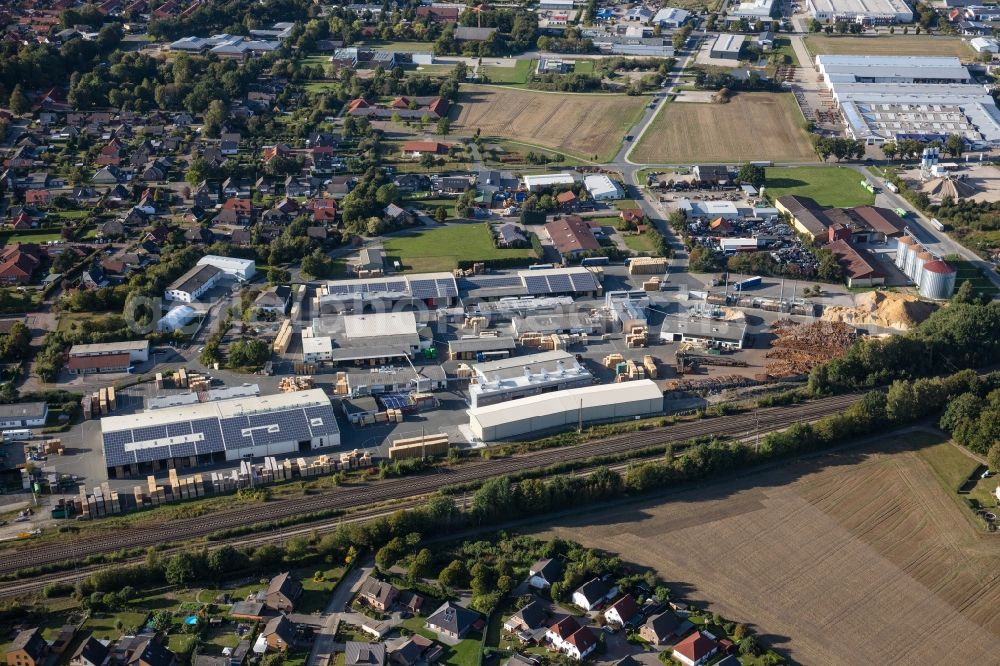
{"points": [[882, 308]]}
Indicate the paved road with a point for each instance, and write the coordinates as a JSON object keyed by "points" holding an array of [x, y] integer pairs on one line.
{"points": [[325, 644]]}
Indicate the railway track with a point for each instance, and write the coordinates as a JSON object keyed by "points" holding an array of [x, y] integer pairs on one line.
{"points": [[358, 497]]}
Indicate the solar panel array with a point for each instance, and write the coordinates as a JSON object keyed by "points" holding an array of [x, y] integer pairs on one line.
{"points": [[366, 287], [277, 427], [491, 282]]}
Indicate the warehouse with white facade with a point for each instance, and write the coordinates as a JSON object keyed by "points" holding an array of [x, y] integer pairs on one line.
{"points": [[538, 182], [752, 10], [210, 432], [241, 269], [926, 98], [379, 337], [193, 284], [565, 409], [865, 12], [602, 188]]}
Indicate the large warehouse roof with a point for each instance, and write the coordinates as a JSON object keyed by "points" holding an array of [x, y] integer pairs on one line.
{"points": [[213, 427], [100, 348], [418, 285], [541, 282], [873, 9], [570, 400]]}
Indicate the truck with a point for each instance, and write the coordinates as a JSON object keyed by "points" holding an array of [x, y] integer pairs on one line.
{"points": [[937, 224], [749, 283], [902, 212], [891, 187], [16, 435]]}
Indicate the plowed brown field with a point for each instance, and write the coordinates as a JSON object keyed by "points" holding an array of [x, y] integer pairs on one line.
{"points": [[859, 557], [579, 124]]}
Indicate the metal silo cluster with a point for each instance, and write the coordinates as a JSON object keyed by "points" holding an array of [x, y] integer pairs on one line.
{"points": [[934, 277]]}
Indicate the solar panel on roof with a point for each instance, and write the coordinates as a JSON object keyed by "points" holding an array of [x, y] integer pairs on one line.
{"points": [[178, 429], [423, 289], [393, 401], [446, 288], [559, 283], [536, 284]]}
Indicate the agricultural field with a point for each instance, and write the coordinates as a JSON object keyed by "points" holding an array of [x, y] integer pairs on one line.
{"points": [[828, 186], [901, 45], [441, 248], [586, 125], [690, 132], [861, 554]]}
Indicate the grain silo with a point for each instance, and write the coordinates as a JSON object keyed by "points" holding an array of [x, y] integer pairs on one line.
{"points": [[922, 257], [904, 248], [937, 280]]}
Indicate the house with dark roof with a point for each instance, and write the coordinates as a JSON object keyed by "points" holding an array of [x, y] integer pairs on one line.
{"points": [[151, 653], [453, 621], [27, 649], [378, 594], [543, 573], [806, 215], [711, 174], [593, 593], [529, 618], [664, 628], [279, 634], [282, 593], [415, 650], [859, 265], [91, 652], [364, 654]]}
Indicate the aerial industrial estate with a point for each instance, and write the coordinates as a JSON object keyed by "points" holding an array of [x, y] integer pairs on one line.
{"points": [[442, 333]]}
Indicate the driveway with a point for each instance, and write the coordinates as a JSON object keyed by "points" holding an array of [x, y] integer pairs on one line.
{"points": [[324, 644]]}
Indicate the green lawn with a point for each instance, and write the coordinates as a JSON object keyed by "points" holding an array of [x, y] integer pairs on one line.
{"points": [[583, 66], [828, 186], [466, 653], [520, 73], [441, 248], [29, 237], [639, 243], [624, 204], [783, 45], [969, 273], [104, 625], [950, 465]]}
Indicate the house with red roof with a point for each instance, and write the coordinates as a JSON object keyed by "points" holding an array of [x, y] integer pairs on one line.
{"points": [[580, 643], [561, 630], [623, 612], [414, 148], [697, 649], [18, 263]]}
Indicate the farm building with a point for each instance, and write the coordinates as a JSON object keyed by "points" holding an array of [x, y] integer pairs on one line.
{"points": [[571, 281], [708, 332], [861, 224], [190, 286], [727, 46], [520, 376], [887, 98], [865, 12], [356, 296], [985, 45], [374, 337], [571, 236], [602, 188], [538, 182], [221, 430], [547, 411], [241, 269]]}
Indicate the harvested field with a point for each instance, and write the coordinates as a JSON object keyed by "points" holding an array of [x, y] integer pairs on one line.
{"points": [[882, 308], [801, 347], [690, 132], [901, 45], [578, 124], [855, 557]]}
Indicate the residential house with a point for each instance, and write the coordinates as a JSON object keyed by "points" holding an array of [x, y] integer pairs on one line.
{"points": [[91, 652], [108, 175], [571, 236], [415, 650], [696, 649], [238, 212], [318, 233], [580, 644], [36, 197], [438, 14], [412, 182], [453, 621], [397, 216], [151, 652], [296, 186], [568, 201], [265, 185], [543, 573], [711, 174], [510, 235], [274, 299], [378, 594], [340, 186], [411, 601], [663, 628], [623, 612], [632, 216], [592, 594], [237, 187], [561, 630], [417, 148], [279, 634], [364, 654], [199, 235], [27, 649], [282, 593], [526, 621], [18, 263]]}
